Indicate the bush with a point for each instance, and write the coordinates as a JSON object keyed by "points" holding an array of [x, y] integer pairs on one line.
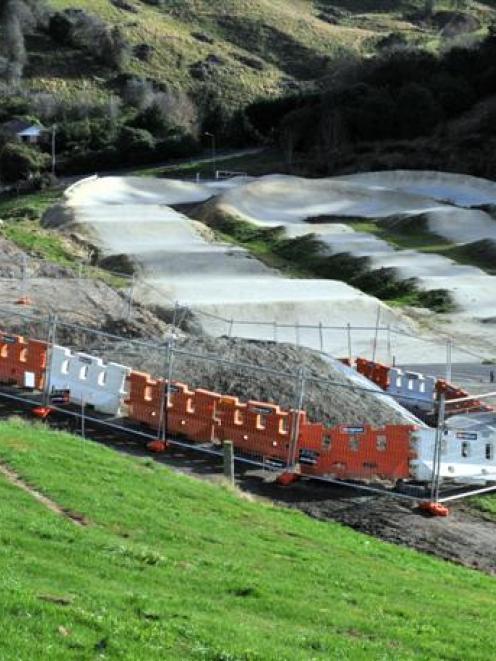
{"points": [[80, 29], [19, 161], [135, 140], [418, 112]]}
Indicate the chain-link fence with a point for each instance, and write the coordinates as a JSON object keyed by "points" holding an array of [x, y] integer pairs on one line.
{"points": [[338, 428], [390, 343]]}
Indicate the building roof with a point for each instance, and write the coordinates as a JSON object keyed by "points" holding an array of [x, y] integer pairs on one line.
{"points": [[20, 127]]}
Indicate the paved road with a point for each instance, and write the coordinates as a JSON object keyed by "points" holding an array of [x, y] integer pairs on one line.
{"points": [[200, 160]]}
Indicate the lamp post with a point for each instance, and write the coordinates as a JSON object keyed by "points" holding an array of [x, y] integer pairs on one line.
{"points": [[214, 154]]}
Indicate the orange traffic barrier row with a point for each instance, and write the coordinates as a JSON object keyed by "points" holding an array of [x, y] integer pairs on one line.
{"points": [[259, 429], [265, 430]]}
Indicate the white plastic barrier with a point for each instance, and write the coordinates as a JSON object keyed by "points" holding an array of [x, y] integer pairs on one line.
{"points": [[466, 457], [89, 379], [412, 389]]}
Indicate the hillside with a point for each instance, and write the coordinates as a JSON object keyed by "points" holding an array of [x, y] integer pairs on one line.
{"points": [[242, 50], [143, 81], [134, 561]]}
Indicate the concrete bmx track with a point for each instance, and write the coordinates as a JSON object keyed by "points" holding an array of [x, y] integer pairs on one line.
{"points": [[180, 261]]}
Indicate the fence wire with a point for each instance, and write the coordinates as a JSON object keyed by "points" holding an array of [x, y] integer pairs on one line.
{"points": [[278, 417]]}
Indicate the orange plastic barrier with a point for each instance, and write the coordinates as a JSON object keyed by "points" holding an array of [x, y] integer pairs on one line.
{"points": [[256, 428], [144, 399], [18, 356], [36, 361], [375, 372], [190, 413], [359, 452], [452, 392]]}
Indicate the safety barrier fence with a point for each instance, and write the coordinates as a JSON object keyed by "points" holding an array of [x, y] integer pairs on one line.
{"points": [[155, 391]]}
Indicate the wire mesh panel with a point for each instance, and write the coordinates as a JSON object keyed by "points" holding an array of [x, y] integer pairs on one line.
{"points": [[105, 376], [363, 436], [217, 399]]}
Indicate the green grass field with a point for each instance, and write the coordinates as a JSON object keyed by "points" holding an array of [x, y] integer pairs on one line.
{"points": [[169, 567]]}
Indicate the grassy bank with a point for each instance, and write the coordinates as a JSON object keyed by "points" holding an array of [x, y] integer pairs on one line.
{"points": [[21, 216], [413, 234], [168, 567], [302, 257]]}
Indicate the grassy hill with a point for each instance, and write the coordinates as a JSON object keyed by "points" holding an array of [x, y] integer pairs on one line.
{"points": [[250, 48], [173, 568]]}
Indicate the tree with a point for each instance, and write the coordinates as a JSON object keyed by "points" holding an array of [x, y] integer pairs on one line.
{"points": [[417, 111], [134, 140], [20, 161]]}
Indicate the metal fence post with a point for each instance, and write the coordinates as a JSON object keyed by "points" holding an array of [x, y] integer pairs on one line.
{"points": [[170, 360], [348, 331], [275, 331], [438, 447], [51, 338], [229, 461], [448, 361], [295, 426], [321, 336], [376, 335], [24, 275], [297, 333]]}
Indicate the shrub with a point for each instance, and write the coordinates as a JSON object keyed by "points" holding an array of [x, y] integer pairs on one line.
{"points": [[135, 140], [20, 161]]}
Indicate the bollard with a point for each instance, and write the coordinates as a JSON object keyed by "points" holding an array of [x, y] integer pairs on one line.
{"points": [[229, 461]]}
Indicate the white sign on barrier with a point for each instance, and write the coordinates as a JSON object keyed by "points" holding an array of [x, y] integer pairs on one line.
{"points": [[89, 379]]}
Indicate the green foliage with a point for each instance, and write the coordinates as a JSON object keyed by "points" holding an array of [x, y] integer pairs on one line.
{"points": [[21, 161], [169, 567], [305, 256], [418, 111], [132, 139], [153, 119]]}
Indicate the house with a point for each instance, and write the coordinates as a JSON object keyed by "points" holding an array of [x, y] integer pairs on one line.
{"points": [[23, 131]]}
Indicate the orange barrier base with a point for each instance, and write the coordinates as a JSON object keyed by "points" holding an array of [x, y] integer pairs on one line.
{"points": [[42, 412], [434, 509], [157, 446], [286, 479]]}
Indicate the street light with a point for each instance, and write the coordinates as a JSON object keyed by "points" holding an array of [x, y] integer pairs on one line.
{"points": [[214, 155]]}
